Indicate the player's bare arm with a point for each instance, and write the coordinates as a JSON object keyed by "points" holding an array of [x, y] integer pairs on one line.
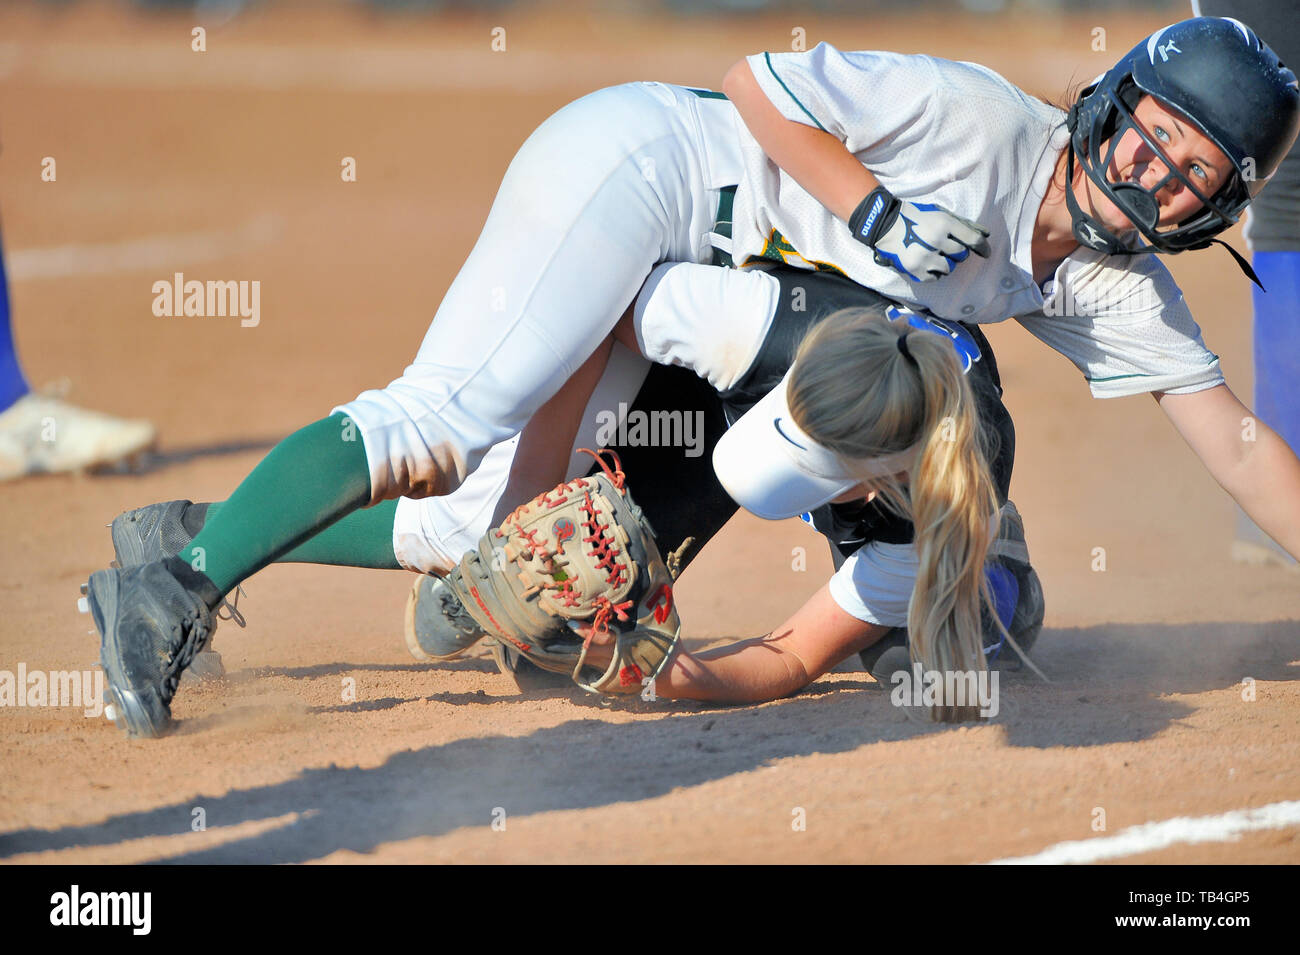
{"points": [[544, 443], [1247, 457], [814, 158], [802, 649], [922, 241]]}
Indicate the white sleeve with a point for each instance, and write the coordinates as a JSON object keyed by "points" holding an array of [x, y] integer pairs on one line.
{"points": [[1128, 331], [875, 583], [862, 98], [704, 317]]}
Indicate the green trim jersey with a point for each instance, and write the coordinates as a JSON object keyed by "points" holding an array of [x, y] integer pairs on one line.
{"points": [[962, 137]]}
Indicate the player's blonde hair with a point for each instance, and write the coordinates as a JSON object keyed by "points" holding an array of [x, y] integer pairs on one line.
{"points": [[853, 390]]}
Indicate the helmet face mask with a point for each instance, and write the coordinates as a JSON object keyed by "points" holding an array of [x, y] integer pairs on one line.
{"points": [[1141, 204], [1219, 76]]}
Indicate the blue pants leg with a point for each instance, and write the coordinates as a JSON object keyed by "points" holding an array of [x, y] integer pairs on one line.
{"points": [[12, 383], [1277, 343], [1277, 357]]}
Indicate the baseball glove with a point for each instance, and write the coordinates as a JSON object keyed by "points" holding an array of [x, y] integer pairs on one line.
{"points": [[579, 556]]}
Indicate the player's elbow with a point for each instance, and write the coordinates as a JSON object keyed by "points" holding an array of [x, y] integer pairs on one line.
{"points": [[739, 80], [774, 680], [727, 675]]}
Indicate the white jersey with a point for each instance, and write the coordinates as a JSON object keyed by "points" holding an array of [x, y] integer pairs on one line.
{"points": [[875, 583], [1122, 321], [959, 135]]}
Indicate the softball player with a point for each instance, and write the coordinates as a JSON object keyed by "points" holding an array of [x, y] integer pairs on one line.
{"points": [[631, 176], [698, 318], [861, 388]]}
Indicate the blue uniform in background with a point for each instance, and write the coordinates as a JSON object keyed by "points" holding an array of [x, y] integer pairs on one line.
{"points": [[1273, 233], [12, 383]]}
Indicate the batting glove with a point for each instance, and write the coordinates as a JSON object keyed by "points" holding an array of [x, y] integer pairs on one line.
{"points": [[924, 242]]}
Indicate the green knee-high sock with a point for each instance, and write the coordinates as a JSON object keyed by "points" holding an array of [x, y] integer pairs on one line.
{"points": [[309, 480], [362, 539]]}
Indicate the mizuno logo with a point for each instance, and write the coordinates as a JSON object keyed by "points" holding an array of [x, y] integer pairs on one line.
{"points": [[1091, 236], [776, 423], [871, 216]]}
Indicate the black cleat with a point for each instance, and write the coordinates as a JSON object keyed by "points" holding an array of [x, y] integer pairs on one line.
{"points": [[150, 533], [156, 532], [438, 627], [151, 627], [526, 675]]}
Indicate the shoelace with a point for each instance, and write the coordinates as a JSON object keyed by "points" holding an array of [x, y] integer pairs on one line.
{"points": [[231, 607], [187, 639], [455, 610]]}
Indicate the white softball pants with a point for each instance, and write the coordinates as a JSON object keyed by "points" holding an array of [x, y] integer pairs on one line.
{"points": [[604, 189]]}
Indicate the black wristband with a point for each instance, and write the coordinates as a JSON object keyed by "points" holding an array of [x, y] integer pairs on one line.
{"points": [[874, 215]]}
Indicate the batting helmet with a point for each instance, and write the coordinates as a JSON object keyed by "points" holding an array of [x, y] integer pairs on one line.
{"points": [[1227, 81]]}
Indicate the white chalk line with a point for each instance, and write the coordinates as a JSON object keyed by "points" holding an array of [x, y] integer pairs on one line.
{"points": [[1152, 836], [134, 255]]}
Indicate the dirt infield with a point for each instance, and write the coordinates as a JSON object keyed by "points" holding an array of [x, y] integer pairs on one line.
{"points": [[226, 165]]}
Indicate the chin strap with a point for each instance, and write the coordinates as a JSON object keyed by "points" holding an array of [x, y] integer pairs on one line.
{"points": [[1240, 260], [1088, 230]]}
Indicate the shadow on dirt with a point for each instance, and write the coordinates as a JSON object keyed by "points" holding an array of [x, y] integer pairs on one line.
{"points": [[579, 764], [151, 462], [1110, 684], [476, 664]]}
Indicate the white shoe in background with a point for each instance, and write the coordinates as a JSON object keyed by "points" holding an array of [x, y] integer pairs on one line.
{"points": [[43, 434]]}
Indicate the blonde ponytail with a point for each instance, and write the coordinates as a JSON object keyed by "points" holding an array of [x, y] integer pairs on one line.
{"points": [[854, 390]]}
